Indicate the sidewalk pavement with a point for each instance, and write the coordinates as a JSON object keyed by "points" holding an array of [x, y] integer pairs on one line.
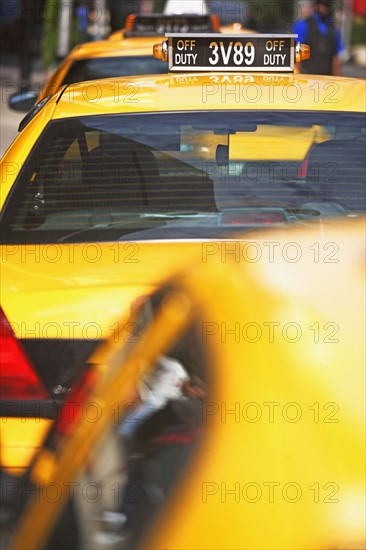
{"points": [[10, 82]]}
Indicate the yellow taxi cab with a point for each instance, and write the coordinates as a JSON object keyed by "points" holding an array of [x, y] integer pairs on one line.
{"points": [[163, 23], [125, 53], [101, 59], [111, 184], [92, 61], [131, 51], [235, 418]]}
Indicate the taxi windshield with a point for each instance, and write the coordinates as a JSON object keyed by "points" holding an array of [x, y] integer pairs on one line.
{"points": [[105, 67], [186, 175]]}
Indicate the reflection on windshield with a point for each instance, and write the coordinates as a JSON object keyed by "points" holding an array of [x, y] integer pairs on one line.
{"points": [[160, 435], [153, 439], [187, 175], [158, 431], [108, 67]]}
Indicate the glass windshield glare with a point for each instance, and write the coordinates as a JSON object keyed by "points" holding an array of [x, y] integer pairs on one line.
{"points": [[186, 175]]}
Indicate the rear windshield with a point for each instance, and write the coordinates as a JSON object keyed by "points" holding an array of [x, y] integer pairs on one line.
{"points": [[186, 175], [106, 67]]}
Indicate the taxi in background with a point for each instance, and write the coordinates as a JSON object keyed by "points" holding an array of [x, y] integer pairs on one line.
{"points": [[125, 53], [92, 61], [107, 188], [156, 24], [264, 446]]}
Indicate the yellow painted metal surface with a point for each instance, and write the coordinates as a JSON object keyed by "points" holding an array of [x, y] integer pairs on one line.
{"points": [[20, 438], [284, 461], [216, 91], [82, 288], [282, 464]]}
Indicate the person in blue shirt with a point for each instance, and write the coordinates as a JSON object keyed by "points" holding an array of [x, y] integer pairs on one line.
{"points": [[324, 39], [82, 14]]}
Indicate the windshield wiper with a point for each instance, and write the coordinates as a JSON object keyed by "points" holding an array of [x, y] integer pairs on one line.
{"points": [[172, 215]]}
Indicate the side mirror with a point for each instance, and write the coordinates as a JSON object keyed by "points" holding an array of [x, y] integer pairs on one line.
{"points": [[22, 100]]}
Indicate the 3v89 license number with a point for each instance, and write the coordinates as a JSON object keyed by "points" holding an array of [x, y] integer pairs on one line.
{"points": [[232, 53]]}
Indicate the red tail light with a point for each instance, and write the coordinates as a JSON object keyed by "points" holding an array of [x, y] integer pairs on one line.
{"points": [[18, 379]]}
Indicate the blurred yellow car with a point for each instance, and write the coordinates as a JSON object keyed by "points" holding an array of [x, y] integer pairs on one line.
{"points": [[111, 184], [260, 445], [93, 61], [124, 53], [139, 24]]}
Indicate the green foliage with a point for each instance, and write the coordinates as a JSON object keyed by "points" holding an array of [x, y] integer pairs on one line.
{"points": [[50, 30], [358, 35], [159, 6], [49, 33]]}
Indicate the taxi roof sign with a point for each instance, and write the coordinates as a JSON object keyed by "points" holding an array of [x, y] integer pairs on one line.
{"points": [[158, 24], [229, 53]]}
